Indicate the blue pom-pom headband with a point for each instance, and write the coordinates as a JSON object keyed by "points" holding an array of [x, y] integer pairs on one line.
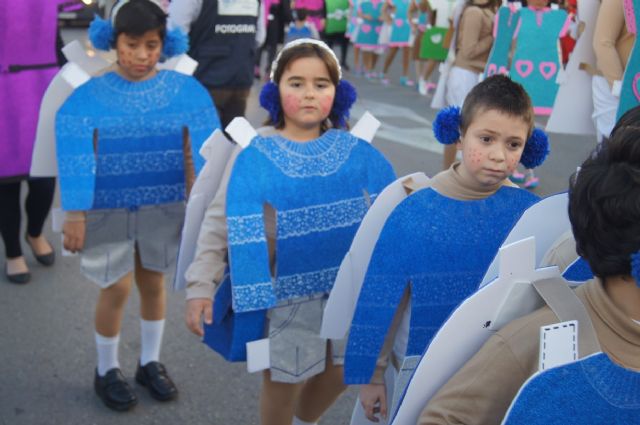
{"points": [[298, 42], [102, 35], [446, 128]]}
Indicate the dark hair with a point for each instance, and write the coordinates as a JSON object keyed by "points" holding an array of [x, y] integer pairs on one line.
{"points": [[499, 93], [299, 14], [604, 201], [136, 17], [307, 50]]}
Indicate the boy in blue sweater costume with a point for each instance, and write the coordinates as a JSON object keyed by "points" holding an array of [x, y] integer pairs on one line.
{"points": [[604, 210], [437, 243], [122, 157]]}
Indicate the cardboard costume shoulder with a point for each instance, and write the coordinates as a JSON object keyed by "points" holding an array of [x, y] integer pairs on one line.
{"points": [[427, 244], [593, 390]]}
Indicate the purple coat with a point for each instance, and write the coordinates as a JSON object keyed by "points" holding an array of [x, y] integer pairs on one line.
{"points": [[28, 39]]}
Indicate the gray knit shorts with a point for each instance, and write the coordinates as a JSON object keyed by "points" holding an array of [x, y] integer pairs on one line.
{"points": [[112, 236], [297, 351]]}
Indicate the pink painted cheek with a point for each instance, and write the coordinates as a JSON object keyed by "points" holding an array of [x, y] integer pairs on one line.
{"points": [[290, 104], [326, 103], [512, 164]]}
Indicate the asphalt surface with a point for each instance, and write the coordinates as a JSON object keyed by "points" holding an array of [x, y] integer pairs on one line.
{"points": [[47, 350]]}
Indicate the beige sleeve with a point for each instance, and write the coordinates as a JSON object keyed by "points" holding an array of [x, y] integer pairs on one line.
{"points": [[207, 269], [609, 26], [471, 43], [481, 392], [562, 253], [387, 347]]}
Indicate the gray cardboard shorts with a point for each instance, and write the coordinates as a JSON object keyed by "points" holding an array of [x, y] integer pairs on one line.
{"points": [[112, 236], [296, 350]]}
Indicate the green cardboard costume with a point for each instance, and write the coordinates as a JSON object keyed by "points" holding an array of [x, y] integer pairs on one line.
{"points": [[337, 14]]}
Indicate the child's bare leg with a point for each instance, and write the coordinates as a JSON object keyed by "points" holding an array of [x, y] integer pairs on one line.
{"points": [[277, 401], [356, 57], [320, 392], [389, 60], [366, 60], [449, 156], [110, 307], [152, 293], [406, 52], [374, 60], [429, 68]]}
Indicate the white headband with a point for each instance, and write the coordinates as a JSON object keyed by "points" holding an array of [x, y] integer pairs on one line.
{"points": [[120, 3], [298, 42]]}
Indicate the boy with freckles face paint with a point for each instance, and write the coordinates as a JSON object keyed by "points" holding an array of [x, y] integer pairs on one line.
{"points": [[492, 131], [122, 154]]}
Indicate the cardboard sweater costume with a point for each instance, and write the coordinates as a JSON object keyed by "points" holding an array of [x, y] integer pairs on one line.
{"points": [[28, 63], [320, 191], [536, 60], [368, 32], [630, 93], [593, 390], [400, 26], [438, 258], [507, 19], [138, 157]]}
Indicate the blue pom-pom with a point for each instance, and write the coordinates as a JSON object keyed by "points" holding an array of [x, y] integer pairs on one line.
{"points": [[101, 33], [270, 100], [635, 267], [346, 96], [175, 43], [536, 150], [446, 126]]}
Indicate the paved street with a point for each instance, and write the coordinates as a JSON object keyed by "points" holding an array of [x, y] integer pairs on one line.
{"points": [[47, 352]]}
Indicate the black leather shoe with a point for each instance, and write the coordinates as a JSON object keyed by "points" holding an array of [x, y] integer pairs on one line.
{"points": [[154, 376], [114, 390], [44, 259], [20, 278]]}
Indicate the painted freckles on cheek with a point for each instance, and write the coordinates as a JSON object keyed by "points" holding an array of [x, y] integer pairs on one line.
{"points": [[474, 156], [155, 57], [512, 164], [125, 57], [290, 104]]}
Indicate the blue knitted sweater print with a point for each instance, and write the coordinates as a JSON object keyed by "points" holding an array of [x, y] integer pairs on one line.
{"points": [[320, 191], [439, 246], [592, 391], [139, 125]]}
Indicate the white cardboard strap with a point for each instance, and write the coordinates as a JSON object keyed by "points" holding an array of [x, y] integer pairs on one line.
{"points": [[241, 131], [74, 75], [366, 127], [183, 64]]}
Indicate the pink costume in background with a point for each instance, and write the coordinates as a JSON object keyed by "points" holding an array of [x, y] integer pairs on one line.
{"points": [[315, 10], [28, 63]]}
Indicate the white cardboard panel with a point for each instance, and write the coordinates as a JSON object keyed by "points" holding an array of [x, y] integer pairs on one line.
{"points": [[547, 220], [241, 131], [366, 127], [258, 357], [558, 344], [473, 319], [573, 105], [183, 64]]}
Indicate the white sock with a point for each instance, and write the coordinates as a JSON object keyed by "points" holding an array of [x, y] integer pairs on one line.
{"points": [[151, 332], [298, 421], [107, 348]]}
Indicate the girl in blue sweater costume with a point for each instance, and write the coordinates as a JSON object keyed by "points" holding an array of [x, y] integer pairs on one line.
{"points": [[315, 182], [121, 159]]}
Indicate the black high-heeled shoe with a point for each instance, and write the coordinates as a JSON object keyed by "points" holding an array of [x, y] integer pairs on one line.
{"points": [[44, 259]]}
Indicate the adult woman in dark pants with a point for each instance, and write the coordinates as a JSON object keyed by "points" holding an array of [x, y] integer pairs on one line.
{"points": [[26, 68]]}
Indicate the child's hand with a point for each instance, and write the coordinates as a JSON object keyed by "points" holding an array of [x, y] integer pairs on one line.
{"points": [[373, 398], [74, 232], [198, 309]]}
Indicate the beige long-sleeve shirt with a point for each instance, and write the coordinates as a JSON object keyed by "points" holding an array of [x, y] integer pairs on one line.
{"points": [[612, 42], [482, 391], [474, 39]]}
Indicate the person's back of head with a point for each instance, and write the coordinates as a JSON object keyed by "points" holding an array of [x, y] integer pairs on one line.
{"points": [[604, 201]]}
